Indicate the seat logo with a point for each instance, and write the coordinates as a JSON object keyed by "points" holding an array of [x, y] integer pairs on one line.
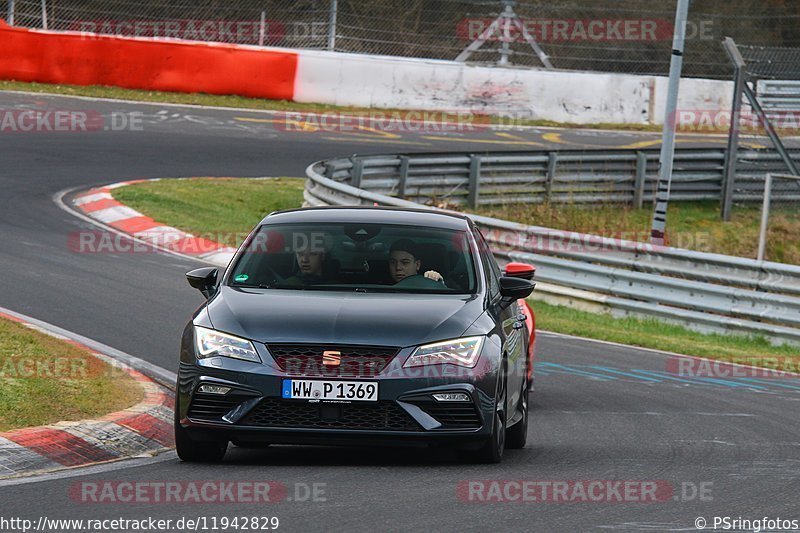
{"points": [[331, 358]]}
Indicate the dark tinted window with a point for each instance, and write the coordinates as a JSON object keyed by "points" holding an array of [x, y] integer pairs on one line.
{"points": [[356, 257]]}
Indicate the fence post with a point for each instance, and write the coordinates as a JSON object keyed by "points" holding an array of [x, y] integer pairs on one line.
{"points": [[44, 14], [762, 234], [552, 163], [332, 26], [357, 172], [732, 154], [262, 28], [401, 182], [641, 176], [10, 18], [474, 180]]}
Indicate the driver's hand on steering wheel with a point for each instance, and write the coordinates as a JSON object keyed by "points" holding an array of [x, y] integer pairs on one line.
{"points": [[435, 276]]}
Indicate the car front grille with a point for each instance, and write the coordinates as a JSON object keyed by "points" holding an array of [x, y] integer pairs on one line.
{"points": [[354, 361], [381, 415]]}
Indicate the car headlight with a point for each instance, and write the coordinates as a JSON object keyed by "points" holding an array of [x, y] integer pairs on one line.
{"points": [[211, 343], [461, 352]]}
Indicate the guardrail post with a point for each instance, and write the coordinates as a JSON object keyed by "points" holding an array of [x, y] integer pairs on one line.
{"points": [[474, 180], [401, 181], [552, 163], [641, 175], [357, 172]]}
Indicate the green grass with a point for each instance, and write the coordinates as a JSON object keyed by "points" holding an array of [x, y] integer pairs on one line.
{"points": [[692, 225], [652, 333], [223, 210], [45, 380], [210, 206]]}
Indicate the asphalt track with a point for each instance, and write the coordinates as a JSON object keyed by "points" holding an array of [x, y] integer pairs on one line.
{"points": [[600, 412]]}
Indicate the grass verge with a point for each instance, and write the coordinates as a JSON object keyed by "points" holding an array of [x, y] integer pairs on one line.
{"points": [[223, 210], [45, 380], [234, 206], [692, 225], [655, 334]]}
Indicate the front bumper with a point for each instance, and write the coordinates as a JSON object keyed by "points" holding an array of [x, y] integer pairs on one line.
{"points": [[405, 414]]}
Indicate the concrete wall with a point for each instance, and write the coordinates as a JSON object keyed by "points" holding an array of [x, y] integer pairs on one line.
{"points": [[577, 97]]}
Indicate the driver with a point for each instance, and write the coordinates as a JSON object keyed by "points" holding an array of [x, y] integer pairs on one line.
{"points": [[310, 254], [404, 262]]}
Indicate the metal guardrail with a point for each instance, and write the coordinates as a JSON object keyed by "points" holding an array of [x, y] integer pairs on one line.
{"points": [[618, 176], [709, 292], [779, 95]]}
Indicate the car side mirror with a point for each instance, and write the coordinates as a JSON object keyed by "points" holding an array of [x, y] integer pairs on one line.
{"points": [[520, 270], [204, 280], [513, 289]]}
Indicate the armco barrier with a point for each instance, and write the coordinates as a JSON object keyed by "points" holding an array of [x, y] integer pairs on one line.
{"points": [[136, 63], [619, 176], [708, 292]]}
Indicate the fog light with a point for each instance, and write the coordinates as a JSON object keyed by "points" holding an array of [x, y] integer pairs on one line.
{"points": [[213, 389], [451, 397]]}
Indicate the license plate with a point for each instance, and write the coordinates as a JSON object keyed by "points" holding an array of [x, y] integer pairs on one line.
{"points": [[305, 389]]}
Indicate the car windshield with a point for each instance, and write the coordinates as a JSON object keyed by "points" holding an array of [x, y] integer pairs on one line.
{"points": [[357, 257]]}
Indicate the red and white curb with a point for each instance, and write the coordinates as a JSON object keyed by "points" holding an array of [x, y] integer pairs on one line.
{"points": [[144, 429], [100, 205]]}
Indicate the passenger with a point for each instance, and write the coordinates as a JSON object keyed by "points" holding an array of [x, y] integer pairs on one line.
{"points": [[404, 263]]}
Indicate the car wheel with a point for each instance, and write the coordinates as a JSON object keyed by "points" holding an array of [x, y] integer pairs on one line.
{"points": [[517, 435], [492, 450], [197, 451]]}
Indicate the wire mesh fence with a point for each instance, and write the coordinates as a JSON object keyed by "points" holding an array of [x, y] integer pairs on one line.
{"points": [[597, 35]]}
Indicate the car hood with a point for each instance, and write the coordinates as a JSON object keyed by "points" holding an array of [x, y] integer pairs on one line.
{"points": [[384, 319]]}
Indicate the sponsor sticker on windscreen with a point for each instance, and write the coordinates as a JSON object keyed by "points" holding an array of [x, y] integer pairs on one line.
{"points": [[305, 389]]}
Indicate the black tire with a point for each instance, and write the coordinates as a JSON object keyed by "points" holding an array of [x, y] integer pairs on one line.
{"points": [[517, 435], [492, 450], [191, 451]]}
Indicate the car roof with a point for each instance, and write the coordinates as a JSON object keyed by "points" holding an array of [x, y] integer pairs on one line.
{"points": [[370, 214]]}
